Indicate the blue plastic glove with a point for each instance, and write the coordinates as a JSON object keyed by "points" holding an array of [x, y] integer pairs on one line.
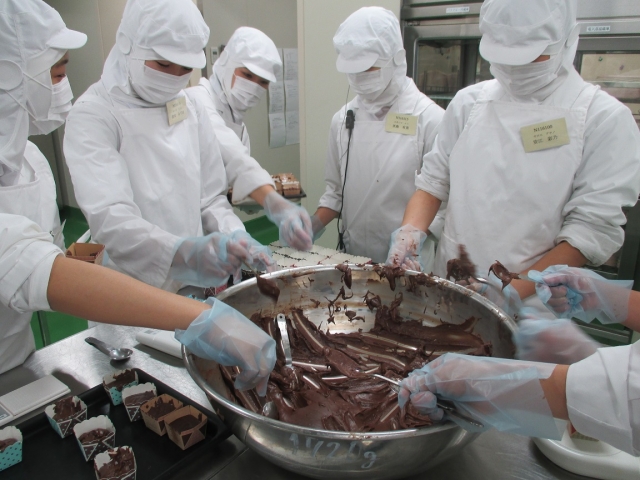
{"points": [[576, 292], [500, 393], [292, 220], [506, 298], [553, 341], [224, 335], [207, 261], [259, 256], [406, 246]]}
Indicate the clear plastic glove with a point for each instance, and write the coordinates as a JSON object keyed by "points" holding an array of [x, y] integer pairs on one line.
{"points": [[207, 261], [576, 292], [292, 220], [224, 335], [406, 246], [500, 393], [553, 341], [317, 227], [507, 299], [258, 256]]}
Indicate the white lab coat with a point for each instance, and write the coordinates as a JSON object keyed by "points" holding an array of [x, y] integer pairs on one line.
{"points": [[235, 153], [603, 396], [381, 171], [143, 184], [508, 205], [31, 200]]}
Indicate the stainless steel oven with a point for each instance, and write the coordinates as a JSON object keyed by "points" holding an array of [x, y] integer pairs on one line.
{"points": [[442, 39]]}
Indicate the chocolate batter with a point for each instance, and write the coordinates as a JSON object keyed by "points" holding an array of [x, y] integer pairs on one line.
{"points": [[66, 408], [185, 423], [329, 386], [122, 379], [503, 274], [120, 464], [6, 443], [346, 274], [139, 398], [96, 435], [461, 268], [161, 408], [390, 273], [268, 288]]}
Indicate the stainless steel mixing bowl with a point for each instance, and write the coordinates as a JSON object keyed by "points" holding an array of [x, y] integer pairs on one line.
{"points": [[328, 454]]}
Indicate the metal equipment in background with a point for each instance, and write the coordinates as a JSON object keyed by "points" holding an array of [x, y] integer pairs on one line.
{"points": [[442, 41]]}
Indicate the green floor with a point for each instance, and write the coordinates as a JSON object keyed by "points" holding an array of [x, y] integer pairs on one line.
{"points": [[53, 326]]}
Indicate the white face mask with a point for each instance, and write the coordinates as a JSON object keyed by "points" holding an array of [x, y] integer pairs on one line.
{"points": [[245, 94], [48, 105], [154, 86], [370, 85], [525, 80]]}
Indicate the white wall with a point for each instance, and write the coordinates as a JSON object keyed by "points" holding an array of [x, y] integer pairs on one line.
{"points": [[322, 89], [277, 19]]}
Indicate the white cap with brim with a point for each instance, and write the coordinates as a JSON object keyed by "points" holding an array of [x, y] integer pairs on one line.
{"points": [[359, 63], [67, 39], [180, 57], [516, 32], [261, 72]]}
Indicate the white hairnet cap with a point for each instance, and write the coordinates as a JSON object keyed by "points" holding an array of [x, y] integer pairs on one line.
{"points": [[367, 35], [516, 32], [254, 50], [173, 29]]}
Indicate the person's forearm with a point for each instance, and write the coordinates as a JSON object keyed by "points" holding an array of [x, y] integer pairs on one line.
{"points": [[555, 391], [260, 193], [421, 210], [633, 317], [562, 254], [104, 295], [325, 215]]}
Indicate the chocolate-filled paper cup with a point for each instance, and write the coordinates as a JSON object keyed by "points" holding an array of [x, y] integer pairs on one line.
{"points": [[115, 382], [186, 426], [122, 468], [153, 415], [92, 447], [64, 426], [134, 397], [10, 447]]}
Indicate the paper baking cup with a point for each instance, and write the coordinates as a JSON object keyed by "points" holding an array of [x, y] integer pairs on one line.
{"points": [[114, 393], [64, 428], [90, 450], [158, 425], [190, 437], [13, 453], [104, 458], [134, 410]]}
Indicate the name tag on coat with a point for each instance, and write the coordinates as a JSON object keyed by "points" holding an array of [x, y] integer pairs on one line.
{"points": [[177, 110], [544, 135], [403, 124]]}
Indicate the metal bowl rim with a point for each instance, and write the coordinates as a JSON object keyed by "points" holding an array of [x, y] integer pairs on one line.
{"points": [[289, 427]]}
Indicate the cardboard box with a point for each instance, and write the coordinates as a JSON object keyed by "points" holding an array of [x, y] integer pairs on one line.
{"points": [[158, 424], [87, 252], [186, 438]]}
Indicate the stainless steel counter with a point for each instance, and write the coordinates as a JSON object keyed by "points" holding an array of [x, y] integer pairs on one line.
{"points": [[80, 366]]}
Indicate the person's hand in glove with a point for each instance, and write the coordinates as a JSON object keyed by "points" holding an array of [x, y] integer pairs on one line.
{"points": [[506, 298], [292, 220], [317, 227], [504, 394], [583, 294], [258, 256], [207, 261], [224, 335], [553, 341], [406, 245]]}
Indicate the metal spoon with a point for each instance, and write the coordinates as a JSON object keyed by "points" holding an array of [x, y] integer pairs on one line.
{"points": [[115, 354], [448, 407], [286, 345]]}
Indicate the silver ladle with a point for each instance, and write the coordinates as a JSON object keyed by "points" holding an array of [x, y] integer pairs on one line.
{"points": [[115, 354]]}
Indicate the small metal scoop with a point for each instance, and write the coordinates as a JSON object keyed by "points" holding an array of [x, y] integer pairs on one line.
{"points": [[286, 345], [115, 354], [448, 407]]}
